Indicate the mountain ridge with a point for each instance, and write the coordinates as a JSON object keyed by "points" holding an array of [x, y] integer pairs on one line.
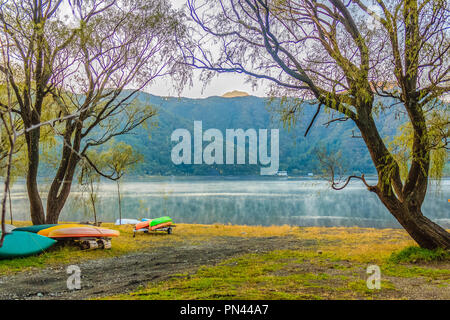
{"points": [[296, 152], [297, 155]]}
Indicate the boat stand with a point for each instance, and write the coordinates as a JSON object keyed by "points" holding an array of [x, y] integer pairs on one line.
{"points": [[167, 229], [87, 243]]}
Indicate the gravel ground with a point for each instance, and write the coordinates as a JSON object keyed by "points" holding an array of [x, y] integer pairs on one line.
{"points": [[126, 273]]}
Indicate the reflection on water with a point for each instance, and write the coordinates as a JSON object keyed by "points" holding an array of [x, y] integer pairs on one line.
{"points": [[251, 201]]}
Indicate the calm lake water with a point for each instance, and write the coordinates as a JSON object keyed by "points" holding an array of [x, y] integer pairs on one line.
{"points": [[250, 201]]}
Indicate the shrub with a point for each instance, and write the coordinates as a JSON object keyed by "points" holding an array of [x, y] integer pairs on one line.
{"points": [[415, 254]]}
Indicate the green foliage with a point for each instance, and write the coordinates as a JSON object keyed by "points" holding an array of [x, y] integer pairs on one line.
{"points": [[18, 159], [401, 145], [120, 157], [438, 130], [415, 254]]}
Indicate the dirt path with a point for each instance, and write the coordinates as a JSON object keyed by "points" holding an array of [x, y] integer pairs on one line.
{"points": [[126, 273]]}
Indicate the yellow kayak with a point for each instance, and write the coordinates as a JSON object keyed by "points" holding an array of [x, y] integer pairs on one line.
{"points": [[46, 232]]}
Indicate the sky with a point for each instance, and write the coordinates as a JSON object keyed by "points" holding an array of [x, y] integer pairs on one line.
{"points": [[218, 86], [221, 84]]}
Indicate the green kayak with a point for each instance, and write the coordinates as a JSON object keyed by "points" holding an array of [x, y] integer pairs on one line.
{"points": [[160, 220], [22, 244], [35, 228]]}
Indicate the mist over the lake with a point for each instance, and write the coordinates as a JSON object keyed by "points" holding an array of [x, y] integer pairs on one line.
{"points": [[241, 200]]}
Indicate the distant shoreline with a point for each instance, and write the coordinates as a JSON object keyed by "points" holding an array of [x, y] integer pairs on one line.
{"points": [[43, 179]]}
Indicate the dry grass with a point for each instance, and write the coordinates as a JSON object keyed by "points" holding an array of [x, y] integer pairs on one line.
{"points": [[355, 244], [358, 244]]}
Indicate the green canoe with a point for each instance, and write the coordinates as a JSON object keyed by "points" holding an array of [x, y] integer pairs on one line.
{"points": [[160, 220], [35, 228], [22, 244]]}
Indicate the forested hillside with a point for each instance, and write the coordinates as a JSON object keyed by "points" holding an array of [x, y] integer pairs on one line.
{"points": [[296, 151]]}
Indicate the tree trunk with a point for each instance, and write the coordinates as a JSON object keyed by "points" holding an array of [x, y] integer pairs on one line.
{"points": [[36, 207], [120, 202], [55, 200], [10, 205], [404, 206], [425, 232], [93, 205], [62, 183]]}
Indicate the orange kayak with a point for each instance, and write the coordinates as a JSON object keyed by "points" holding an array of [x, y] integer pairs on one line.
{"points": [[83, 232], [161, 225], [142, 225], [46, 232]]}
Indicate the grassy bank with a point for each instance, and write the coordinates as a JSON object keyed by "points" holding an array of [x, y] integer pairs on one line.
{"points": [[334, 266]]}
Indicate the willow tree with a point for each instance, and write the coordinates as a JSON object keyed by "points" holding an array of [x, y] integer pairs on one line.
{"points": [[76, 67], [326, 53], [120, 159]]}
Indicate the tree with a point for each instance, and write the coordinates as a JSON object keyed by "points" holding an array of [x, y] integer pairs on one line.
{"points": [[12, 144], [119, 159], [76, 67], [12, 136], [323, 54], [9, 126], [89, 179]]}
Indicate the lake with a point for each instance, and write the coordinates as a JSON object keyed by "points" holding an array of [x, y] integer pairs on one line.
{"points": [[239, 200]]}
